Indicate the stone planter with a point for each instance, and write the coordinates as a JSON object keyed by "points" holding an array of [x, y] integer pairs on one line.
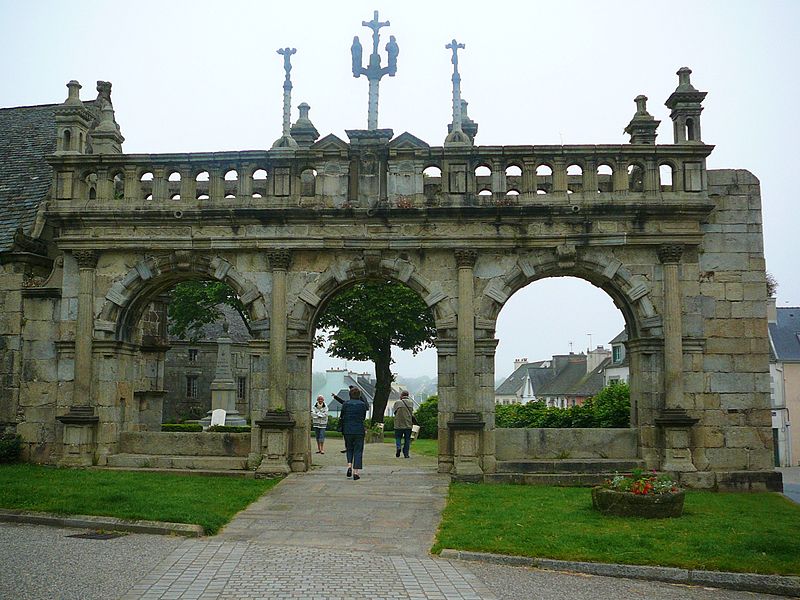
{"points": [[626, 504]]}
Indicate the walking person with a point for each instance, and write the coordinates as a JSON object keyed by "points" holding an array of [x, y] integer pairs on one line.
{"points": [[319, 421], [403, 420], [354, 411]]}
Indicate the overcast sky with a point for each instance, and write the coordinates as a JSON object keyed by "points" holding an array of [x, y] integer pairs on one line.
{"points": [[205, 76]]}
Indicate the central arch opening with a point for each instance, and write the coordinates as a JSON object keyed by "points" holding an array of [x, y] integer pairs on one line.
{"points": [[562, 370], [375, 336]]}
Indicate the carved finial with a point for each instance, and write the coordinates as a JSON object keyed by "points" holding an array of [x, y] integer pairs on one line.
{"points": [[684, 79], [74, 94]]}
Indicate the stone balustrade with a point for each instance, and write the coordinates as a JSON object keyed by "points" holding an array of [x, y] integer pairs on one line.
{"points": [[411, 177]]}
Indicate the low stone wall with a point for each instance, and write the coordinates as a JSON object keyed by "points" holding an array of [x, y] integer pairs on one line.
{"points": [[531, 444], [185, 444]]}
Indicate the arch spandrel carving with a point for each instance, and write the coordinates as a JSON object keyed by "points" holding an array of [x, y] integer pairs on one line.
{"points": [[630, 292], [154, 275], [340, 273]]}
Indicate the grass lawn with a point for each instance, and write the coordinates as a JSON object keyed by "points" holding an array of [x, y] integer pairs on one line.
{"points": [[423, 447], [206, 501], [757, 533]]}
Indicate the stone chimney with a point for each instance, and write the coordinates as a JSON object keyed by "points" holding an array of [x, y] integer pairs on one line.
{"points": [[595, 357], [772, 310], [518, 362]]}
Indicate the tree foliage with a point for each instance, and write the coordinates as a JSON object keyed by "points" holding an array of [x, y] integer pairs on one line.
{"points": [[194, 304], [364, 321]]}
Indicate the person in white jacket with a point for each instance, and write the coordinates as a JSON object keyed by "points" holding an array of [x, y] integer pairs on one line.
{"points": [[319, 421]]}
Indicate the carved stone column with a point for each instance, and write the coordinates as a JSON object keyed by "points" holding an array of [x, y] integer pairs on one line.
{"points": [[467, 423], [277, 422], [80, 423], [673, 417], [84, 329], [465, 350]]}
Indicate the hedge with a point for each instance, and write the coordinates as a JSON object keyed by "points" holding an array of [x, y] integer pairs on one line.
{"points": [[611, 407]]}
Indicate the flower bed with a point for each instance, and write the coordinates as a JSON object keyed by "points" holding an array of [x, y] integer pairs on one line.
{"points": [[639, 495]]}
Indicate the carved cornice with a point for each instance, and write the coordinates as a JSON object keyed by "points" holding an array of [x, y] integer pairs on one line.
{"points": [[86, 259], [670, 254], [466, 257], [279, 260]]}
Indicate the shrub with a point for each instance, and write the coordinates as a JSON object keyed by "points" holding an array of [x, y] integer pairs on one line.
{"points": [[428, 418], [388, 423], [10, 447], [230, 429], [181, 427], [612, 406], [333, 424]]}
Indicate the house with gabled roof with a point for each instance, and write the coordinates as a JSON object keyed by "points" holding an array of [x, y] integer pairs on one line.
{"points": [[784, 339]]}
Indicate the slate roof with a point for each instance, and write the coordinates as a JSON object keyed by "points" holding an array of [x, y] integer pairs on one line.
{"points": [[566, 380], [538, 373], [27, 136], [785, 334]]}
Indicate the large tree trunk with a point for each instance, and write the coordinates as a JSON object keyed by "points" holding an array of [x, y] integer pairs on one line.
{"points": [[383, 383]]}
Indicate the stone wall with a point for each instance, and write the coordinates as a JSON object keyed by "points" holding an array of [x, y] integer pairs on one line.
{"points": [[539, 443], [185, 443]]}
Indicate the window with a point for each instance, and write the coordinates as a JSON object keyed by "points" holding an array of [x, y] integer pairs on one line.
{"points": [[616, 354], [191, 386], [192, 355], [241, 388]]}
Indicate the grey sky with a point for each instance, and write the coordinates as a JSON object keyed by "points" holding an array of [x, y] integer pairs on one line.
{"points": [[205, 76]]}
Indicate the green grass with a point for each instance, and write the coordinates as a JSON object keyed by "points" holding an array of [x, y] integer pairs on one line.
{"points": [[757, 533], [423, 447], [207, 501]]}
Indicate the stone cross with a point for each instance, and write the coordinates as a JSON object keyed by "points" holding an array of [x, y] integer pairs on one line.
{"points": [[456, 136], [287, 87], [374, 71]]}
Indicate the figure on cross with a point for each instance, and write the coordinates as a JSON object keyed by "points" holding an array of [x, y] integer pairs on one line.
{"points": [[287, 59]]}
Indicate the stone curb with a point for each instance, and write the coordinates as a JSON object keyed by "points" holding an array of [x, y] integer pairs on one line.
{"points": [[107, 523], [766, 584]]}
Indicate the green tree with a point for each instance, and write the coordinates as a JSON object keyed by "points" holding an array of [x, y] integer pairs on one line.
{"points": [[428, 418], [194, 304], [364, 321]]}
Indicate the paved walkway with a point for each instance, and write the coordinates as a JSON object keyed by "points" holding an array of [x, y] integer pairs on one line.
{"points": [[323, 535]]}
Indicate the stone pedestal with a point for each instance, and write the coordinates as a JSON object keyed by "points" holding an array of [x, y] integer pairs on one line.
{"points": [[275, 429], [466, 429], [677, 440], [80, 425]]}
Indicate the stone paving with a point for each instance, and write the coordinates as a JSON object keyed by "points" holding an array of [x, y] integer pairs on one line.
{"points": [[323, 535]]}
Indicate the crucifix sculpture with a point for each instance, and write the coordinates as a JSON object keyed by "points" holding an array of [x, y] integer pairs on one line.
{"points": [[287, 90], [457, 135], [374, 71]]}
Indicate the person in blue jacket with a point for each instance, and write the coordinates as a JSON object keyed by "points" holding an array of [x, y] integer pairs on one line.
{"points": [[354, 411]]}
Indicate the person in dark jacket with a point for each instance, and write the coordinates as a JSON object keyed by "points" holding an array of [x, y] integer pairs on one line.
{"points": [[354, 411]]}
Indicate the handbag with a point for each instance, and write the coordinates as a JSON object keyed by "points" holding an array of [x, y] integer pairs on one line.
{"points": [[414, 432]]}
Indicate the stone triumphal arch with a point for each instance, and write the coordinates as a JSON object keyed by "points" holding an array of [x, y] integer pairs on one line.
{"points": [[85, 254]]}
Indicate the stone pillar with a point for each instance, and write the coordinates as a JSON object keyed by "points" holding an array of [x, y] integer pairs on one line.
{"points": [[465, 352], [673, 417], [467, 423], [277, 422], [84, 328], [279, 263]]}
